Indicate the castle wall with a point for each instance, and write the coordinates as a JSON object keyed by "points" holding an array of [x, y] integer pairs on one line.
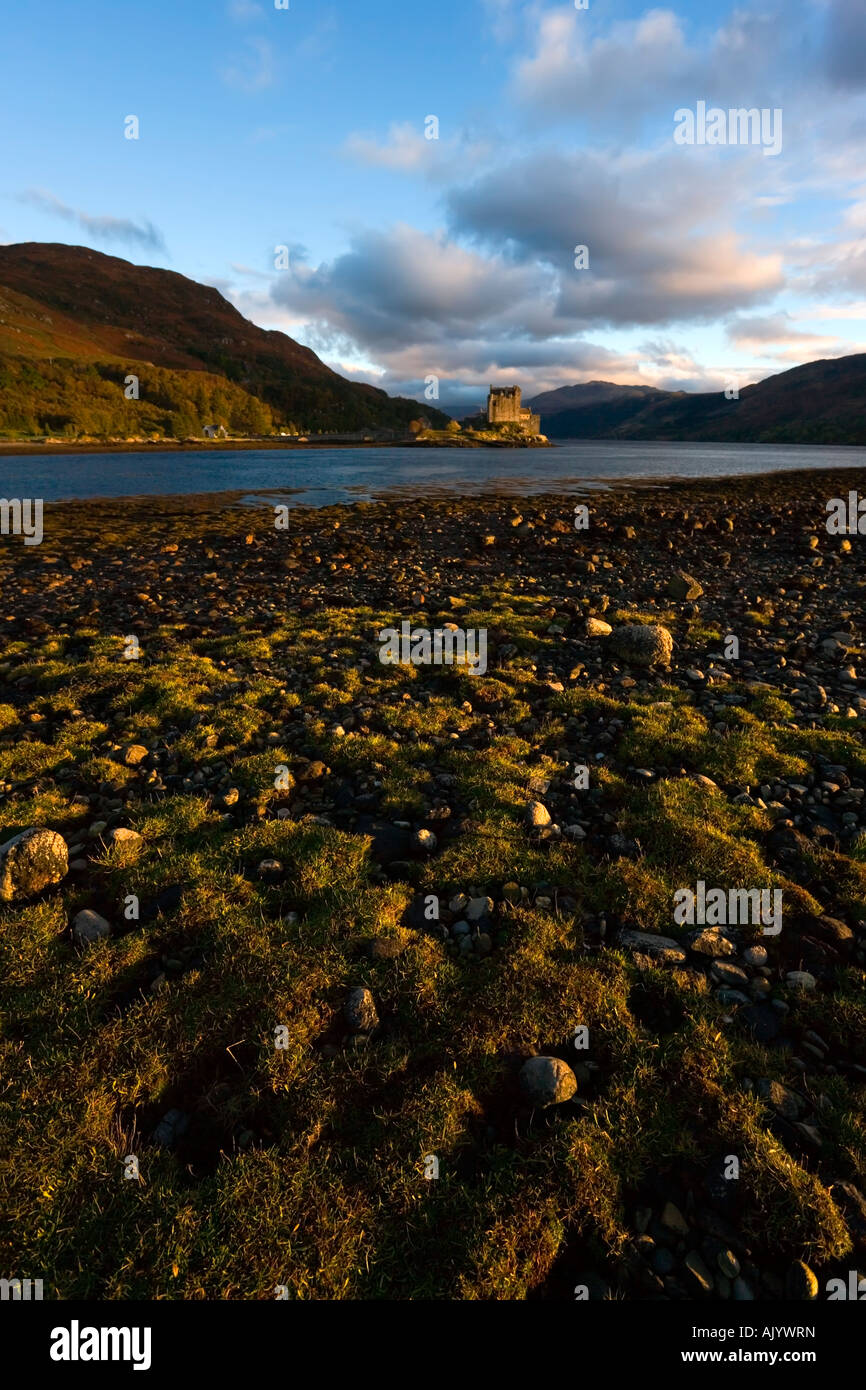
{"points": [[503, 406]]}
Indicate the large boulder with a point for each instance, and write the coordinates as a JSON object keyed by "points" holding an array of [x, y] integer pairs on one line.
{"points": [[642, 644], [31, 861]]}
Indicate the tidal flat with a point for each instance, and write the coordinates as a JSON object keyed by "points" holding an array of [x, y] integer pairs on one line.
{"points": [[313, 914]]}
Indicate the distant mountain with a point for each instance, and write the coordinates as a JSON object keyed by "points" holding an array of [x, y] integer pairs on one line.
{"points": [[87, 317], [590, 393], [821, 402]]}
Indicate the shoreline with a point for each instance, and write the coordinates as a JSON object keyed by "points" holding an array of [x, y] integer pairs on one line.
{"points": [[240, 445], [612, 488], [28, 447]]}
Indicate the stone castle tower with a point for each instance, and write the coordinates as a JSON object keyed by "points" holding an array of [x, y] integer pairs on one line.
{"points": [[504, 408]]}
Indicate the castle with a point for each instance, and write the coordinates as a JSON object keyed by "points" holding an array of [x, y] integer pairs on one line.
{"points": [[504, 408]]}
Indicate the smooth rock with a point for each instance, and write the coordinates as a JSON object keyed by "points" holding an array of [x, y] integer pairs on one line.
{"points": [[547, 1081], [684, 586], [673, 1220], [640, 644], [710, 942], [801, 979], [783, 1100], [124, 838], [31, 861], [133, 754], [88, 927], [478, 908], [662, 947]]}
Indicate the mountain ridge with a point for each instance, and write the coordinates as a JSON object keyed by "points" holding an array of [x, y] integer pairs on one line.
{"points": [[62, 303], [820, 402]]}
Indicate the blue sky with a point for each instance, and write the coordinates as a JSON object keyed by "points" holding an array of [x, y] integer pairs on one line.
{"points": [[454, 257]]}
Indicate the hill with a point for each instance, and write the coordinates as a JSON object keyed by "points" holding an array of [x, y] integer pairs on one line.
{"points": [[591, 393], [820, 402], [75, 322]]}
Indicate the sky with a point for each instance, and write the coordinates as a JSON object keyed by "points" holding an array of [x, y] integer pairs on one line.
{"points": [[448, 263]]}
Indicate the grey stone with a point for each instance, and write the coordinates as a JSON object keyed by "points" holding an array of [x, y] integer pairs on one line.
{"points": [[731, 975], [755, 955], [547, 1081], [478, 908], [684, 586], [673, 1220], [641, 644], [88, 927], [801, 979], [126, 839], [663, 948], [31, 861], [710, 942], [133, 754], [783, 1100]]}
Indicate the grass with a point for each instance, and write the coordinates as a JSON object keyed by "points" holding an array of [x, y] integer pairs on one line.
{"points": [[304, 1165]]}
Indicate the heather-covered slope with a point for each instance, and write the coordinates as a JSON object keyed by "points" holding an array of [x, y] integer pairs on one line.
{"points": [[64, 305]]}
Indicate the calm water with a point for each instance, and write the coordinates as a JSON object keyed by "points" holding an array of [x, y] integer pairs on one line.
{"points": [[320, 477]]}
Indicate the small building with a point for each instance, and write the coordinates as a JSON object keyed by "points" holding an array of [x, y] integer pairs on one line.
{"points": [[215, 432]]}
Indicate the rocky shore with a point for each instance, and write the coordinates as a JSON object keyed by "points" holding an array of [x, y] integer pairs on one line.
{"points": [[285, 923]]}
